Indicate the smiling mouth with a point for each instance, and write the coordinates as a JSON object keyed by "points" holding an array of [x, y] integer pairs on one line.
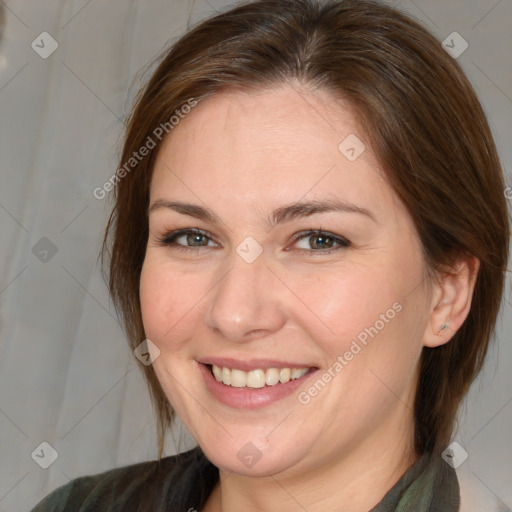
{"points": [[257, 378]]}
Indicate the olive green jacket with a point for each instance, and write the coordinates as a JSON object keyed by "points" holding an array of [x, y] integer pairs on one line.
{"points": [[182, 483]]}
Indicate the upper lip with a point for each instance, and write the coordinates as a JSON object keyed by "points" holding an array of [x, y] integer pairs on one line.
{"points": [[251, 364]]}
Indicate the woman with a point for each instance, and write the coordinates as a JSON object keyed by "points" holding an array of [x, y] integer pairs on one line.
{"points": [[310, 235]]}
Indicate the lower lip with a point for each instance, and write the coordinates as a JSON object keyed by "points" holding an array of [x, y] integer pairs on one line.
{"points": [[250, 398]]}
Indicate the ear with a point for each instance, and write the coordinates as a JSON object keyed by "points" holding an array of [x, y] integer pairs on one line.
{"points": [[451, 301]]}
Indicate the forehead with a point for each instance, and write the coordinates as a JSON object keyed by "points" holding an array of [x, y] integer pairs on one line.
{"points": [[269, 146]]}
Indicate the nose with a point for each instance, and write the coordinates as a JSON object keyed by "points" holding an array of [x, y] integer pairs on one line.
{"points": [[247, 303]]}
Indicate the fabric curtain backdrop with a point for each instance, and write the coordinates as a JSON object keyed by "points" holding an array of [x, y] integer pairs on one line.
{"points": [[67, 377]]}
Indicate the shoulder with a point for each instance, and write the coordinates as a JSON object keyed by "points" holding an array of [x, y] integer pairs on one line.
{"points": [[126, 488]]}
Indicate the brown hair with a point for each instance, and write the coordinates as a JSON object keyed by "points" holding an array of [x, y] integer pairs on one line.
{"points": [[423, 122]]}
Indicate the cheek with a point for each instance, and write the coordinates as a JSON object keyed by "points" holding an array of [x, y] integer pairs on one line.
{"points": [[367, 334], [363, 313], [170, 302], [343, 302]]}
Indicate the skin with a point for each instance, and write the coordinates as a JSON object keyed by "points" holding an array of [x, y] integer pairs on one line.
{"points": [[242, 155]]}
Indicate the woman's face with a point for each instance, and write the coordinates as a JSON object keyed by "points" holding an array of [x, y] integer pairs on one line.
{"points": [[253, 289]]}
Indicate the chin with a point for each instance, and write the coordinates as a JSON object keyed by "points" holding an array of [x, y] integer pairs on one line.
{"points": [[254, 458]]}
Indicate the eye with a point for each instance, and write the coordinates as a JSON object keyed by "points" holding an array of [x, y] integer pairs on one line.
{"points": [[190, 239], [321, 241], [314, 241]]}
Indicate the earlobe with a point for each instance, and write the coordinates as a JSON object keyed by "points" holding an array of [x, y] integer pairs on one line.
{"points": [[451, 301]]}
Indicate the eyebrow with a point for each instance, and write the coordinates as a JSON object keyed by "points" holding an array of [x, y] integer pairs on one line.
{"points": [[279, 215]]}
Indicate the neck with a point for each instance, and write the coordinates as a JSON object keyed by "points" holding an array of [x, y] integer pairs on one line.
{"points": [[353, 482]]}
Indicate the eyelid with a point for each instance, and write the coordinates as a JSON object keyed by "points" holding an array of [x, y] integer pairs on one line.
{"points": [[312, 232]]}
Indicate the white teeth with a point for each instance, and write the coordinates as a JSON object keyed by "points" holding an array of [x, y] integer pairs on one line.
{"points": [[238, 378], [256, 378], [226, 376], [272, 376], [285, 375], [297, 373], [217, 371]]}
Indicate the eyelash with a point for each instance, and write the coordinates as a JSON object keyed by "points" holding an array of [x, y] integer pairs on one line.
{"points": [[169, 240]]}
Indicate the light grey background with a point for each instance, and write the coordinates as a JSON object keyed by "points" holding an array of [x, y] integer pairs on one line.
{"points": [[66, 374]]}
